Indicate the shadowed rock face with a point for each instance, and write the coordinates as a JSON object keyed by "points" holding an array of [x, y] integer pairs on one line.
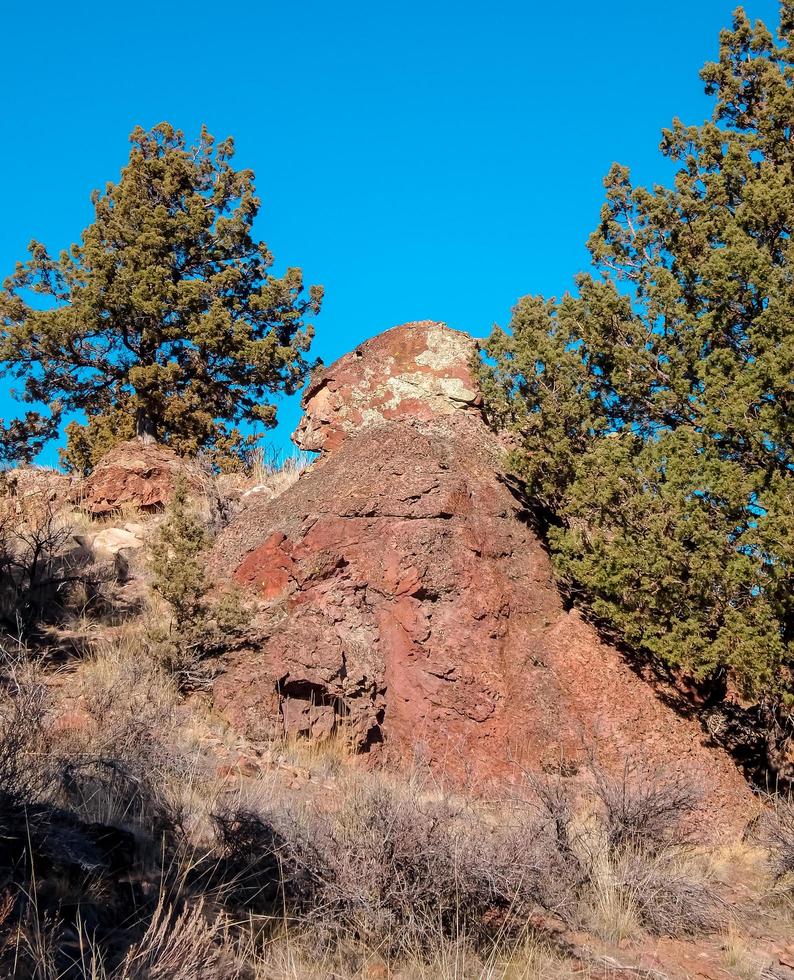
{"points": [[403, 591]]}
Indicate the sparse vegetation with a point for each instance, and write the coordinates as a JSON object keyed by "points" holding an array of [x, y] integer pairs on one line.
{"points": [[127, 856], [132, 850], [276, 472], [778, 836], [46, 580], [145, 835]]}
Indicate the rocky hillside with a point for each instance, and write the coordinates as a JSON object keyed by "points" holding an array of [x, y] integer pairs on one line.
{"points": [[338, 720]]}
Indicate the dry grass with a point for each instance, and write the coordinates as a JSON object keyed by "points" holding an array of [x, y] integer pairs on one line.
{"points": [[609, 908], [276, 472], [741, 959], [182, 945], [291, 954], [778, 836], [147, 863]]}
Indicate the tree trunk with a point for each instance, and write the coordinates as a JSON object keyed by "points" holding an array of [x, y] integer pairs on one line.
{"points": [[145, 429]]}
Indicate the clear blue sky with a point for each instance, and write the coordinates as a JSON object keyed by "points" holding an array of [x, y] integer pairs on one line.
{"points": [[420, 159]]}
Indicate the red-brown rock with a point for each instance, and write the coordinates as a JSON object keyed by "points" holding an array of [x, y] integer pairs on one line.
{"points": [[138, 475], [403, 589]]}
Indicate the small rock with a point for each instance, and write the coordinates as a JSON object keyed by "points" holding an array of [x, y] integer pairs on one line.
{"points": [[73, 721], [108, 542], [260, 488]]}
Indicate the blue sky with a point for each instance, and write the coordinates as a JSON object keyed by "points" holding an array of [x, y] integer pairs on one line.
{"points": [[419, 159]]}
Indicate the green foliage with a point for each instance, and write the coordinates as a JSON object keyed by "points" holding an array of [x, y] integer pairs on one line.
{"points": [[653, 411], [201, 623], [87, 444], [165, 320], [22, 439], [176, 558]]}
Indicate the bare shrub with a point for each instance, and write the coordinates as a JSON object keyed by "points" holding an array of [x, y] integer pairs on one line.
{"points": [[778, 837], [398, 869], [554, 800], [649, 811], [33, 573], [643, 862], [49, 586], [244, 868], [671, 893], [624, 845]]}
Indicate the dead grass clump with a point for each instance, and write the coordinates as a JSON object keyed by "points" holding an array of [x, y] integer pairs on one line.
{"points": [[133, 704], [188, 944], [25, 770], [778, 837], [670, 892], [276, 472]]}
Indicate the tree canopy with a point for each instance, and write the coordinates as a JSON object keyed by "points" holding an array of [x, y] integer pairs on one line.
{"points": [[21, 439], [653, 410], [165, 320]]}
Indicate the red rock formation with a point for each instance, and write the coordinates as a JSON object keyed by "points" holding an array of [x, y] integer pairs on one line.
{"points": [[135, 474], [403, 589]]}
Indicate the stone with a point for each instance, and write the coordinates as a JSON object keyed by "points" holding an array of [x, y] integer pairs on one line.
{"points": [[41, 486], [419, 371], [404, 595], [108, 542], [137, 475]]}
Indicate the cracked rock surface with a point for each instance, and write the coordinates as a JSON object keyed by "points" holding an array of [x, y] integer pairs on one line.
{"points": [[403, 591]]}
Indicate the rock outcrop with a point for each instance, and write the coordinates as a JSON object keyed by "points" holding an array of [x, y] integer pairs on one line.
{"points": [[404, 594], [38, 485], [137, 475]]}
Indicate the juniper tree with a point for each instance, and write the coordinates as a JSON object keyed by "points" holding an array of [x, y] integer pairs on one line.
{"points": [[165, 321], [22, 439], [653, 411]]}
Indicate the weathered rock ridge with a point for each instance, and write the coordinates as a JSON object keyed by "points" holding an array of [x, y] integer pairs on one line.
{"points": [[404, 592]]}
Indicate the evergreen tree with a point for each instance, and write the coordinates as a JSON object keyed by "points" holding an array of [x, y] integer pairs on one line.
{"points": [[653, 412], [165, 320], [22, 439]]}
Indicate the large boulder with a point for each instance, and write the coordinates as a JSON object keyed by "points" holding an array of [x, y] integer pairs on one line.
{"points": [[137, 475], [419, 371], [404, 594]]}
